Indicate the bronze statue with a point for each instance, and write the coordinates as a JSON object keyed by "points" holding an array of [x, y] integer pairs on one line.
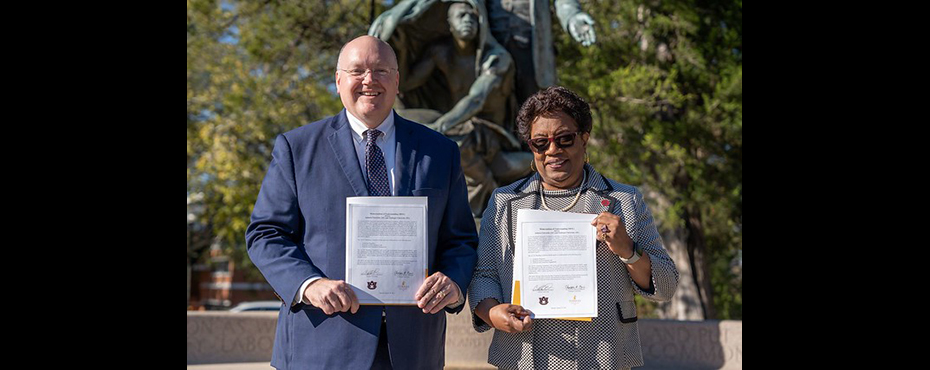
{"points": [[524, 28], [458, 80]]}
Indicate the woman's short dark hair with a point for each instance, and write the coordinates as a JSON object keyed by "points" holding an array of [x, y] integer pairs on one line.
{"points": [[550, 101]]}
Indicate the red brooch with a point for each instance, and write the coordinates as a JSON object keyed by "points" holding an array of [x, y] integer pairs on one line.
{"points": [[605, 202]]}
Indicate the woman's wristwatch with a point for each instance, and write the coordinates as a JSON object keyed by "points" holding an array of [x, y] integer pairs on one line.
{"points": [[632, 259]]}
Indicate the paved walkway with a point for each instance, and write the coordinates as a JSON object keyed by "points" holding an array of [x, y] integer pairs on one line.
{"points": [[236, 366], [267, 366]]}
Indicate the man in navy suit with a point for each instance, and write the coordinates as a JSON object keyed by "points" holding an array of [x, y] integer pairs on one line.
{"points": [[297, 234]]}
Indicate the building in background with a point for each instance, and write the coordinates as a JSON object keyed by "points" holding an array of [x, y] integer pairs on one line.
{"points": [[219, 285]]}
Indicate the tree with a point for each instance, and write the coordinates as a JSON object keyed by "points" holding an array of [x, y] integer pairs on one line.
{"points": [[255, 70], [665, 84]]}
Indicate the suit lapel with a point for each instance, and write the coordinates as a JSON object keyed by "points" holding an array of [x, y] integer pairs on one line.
{"points": [[344, 151], [404, 154], [599, 200], [527, 198]]}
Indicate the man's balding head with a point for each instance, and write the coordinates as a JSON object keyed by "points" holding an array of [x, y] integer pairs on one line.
{"points": [[368, 42], [367, 79]]}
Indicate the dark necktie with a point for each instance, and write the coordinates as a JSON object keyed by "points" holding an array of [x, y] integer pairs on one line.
{"points": [[377, 171]]}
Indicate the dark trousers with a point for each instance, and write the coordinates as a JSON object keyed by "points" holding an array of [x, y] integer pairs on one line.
{"points": [[382, 356]]}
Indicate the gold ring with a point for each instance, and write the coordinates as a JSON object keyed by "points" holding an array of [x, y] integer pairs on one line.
{"points": [[440, 295]]}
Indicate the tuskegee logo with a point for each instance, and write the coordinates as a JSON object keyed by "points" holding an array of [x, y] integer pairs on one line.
{"points": [[543, 300], [372, 285]]}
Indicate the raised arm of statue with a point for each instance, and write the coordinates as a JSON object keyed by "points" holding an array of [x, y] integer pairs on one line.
{"points": [[575, 21], [469, 105], [406, 11]]}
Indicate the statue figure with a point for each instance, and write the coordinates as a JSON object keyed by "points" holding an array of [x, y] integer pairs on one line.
{"points": [[458, 80], [524, 28]]}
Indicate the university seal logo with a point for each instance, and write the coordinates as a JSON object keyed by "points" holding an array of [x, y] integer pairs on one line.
{"points": [[543, 300], [372, 285]]}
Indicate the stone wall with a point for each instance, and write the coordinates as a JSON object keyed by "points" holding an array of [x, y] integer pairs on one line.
{"points": [[710, 344], [224, 337]]}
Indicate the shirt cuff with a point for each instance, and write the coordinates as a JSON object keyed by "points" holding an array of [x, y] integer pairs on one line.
{"points": [[300, 292]]}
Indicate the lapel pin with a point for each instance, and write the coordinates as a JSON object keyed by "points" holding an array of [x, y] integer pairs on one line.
{"points": [[605, 202]]}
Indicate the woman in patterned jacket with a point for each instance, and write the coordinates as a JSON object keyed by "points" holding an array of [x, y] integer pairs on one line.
{"points": [[556, 123]]}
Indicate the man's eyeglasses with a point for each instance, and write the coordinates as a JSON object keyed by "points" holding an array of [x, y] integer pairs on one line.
{"points": [[540, 145], [361, 73]]}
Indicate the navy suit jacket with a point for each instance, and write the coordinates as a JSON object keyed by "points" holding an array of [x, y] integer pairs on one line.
{"points": [[298, 232]]}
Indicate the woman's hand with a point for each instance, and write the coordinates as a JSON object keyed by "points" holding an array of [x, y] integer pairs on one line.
{"points": [[612, 231], [504, 316], [510, 318]]}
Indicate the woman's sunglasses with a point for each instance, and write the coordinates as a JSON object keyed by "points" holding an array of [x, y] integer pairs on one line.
{"points": [[540, 145]]}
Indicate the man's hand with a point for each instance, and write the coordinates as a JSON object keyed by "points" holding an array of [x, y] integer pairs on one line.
{"points": [[437, 292], [331, 296], [581, 26]]}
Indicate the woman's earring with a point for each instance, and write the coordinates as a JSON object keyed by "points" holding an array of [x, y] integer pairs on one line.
{"points": [[533, 165]]}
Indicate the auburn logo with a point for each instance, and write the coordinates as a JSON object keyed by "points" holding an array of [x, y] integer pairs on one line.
{"points": [[372, 285], [543, 300]]}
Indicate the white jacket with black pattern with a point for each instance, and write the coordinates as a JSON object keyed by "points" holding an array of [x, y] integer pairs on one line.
{"points": [[610, 340]]}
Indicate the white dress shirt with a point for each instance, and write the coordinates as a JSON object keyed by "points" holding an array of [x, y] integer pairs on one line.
{"points": [[387, 142]]}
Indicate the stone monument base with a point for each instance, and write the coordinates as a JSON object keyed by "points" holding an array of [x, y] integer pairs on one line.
{"points": [[244, 340]]}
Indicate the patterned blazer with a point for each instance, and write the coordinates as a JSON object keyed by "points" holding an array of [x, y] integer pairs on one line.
{"points": [[610, 340]]}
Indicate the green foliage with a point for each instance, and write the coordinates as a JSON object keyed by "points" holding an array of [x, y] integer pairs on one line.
{"points": [[255, 70], [665, 85]]}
